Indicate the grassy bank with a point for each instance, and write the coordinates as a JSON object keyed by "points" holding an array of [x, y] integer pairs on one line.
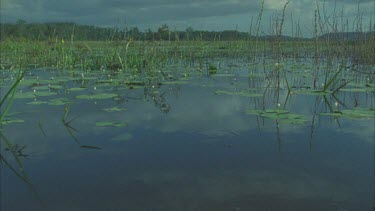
{"points": [[94, 55]]}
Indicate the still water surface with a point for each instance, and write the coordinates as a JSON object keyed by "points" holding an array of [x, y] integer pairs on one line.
{"points": [[184, 145]]}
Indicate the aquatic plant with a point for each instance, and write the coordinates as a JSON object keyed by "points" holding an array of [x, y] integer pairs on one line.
{"points": [[10, 94]]}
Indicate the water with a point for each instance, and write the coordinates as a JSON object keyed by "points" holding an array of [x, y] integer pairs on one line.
{"points": [[186, 148]]}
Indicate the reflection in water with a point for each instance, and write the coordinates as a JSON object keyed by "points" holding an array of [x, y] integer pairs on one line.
{"points": [[183, 147], [17, 154]]}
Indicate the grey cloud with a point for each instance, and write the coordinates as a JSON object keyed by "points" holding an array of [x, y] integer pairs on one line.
{"points": [[156, 12]]}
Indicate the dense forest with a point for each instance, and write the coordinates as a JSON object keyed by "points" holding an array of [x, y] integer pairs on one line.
{"points": [[68, 30]]}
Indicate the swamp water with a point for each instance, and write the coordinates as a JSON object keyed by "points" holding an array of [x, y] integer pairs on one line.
{"points": [[232, 139]]}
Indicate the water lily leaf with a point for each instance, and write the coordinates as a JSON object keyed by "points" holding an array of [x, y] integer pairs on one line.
{"points": [[97, 96], [90, 147], [58, 101], [37, 103], [110, 124], [278, 111], [9, 121], [41, 87], [135, 83], [284, 116], [76, 89], [44, 94], [25, 95], [355, 113], [113, 109], [104, 81], [55, 87]]}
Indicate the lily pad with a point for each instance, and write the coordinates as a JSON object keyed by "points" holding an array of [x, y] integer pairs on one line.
{"points": [[355, 113], [25, 95], [284, 116], [58, 101], [9, 121], [110, 124], [76, 89], [55, 87], [45, 94], [37, 102], [97, 96], [113, 109], [41, 87]]}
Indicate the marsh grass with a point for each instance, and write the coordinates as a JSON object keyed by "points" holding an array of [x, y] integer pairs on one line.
{"points": [[10, 94]]}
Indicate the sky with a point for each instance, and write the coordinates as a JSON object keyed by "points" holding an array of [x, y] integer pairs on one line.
{"points": [[179, 14]]}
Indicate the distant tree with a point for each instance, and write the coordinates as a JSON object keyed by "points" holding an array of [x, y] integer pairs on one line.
{"points": [[189, 29], [135, 33], [189, 32], [163, 32], [20, 22], [149, 35]]}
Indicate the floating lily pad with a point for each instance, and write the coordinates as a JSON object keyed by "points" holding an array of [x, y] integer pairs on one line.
{"points": [[45, 94], [89, 78], [135, 83], [25, 95], [113, 109], [97, 96], [55, 87], [110, 124], [356, 113], [58, 101], [9, 121], [283, 115], [277, 111], [37, 102], [76, 89], [104, 81], [242, 93], [90, 147], [123, 137], [41, 87]]}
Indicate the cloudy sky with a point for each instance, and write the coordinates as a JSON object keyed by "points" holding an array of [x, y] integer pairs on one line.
{"points": [[179, 14]]}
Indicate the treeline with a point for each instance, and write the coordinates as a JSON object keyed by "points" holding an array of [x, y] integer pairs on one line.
{"points": [[67, 31], [71, 31]]}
